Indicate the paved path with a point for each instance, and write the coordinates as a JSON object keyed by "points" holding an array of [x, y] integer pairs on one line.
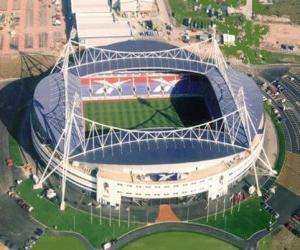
{"points": [[163, 11], [15, 223], [166, 214], [290, 122], [246, 9], [284, 202], [78, 236]]}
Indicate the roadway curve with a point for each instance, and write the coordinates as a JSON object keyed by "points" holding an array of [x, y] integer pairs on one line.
{"points": [[181, 226]]}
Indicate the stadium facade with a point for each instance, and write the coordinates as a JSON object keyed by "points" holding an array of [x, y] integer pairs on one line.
{"points": [[148, 163]]}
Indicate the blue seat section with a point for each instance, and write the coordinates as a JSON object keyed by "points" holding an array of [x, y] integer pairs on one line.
{"points": [[160, 152], [49, 106], [187, 86], [253, 96], [49, 97]]}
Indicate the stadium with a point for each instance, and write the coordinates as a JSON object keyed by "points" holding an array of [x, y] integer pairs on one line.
{"points": [[144, 120]]}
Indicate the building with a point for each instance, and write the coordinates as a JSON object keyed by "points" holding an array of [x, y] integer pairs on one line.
{"points": [[96, 25], [228, 39], [120, 164], [134, 6]]}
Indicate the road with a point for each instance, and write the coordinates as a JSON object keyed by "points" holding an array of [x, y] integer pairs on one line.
{"points": [[16, 95], [180, 226], [291, 116], [15, 224]]}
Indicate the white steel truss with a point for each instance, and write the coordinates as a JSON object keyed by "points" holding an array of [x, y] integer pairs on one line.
{"points": [[235, 129], [225, 130], [205, 52]]}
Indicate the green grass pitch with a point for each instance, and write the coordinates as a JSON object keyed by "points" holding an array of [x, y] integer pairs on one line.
{"points": [[148, 113], [178, 241], [58, 243]]}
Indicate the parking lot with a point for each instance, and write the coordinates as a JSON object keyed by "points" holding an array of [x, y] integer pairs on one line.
{"points": [[285, 92], [15, 225], [291, 91]]}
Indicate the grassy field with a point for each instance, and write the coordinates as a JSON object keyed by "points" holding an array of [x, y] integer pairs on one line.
{"points": [[14, 149], [141, 113], [178, 241], [265, 243], [290, 173], [49, 214], [250, 219], [279, 8], [58, 243], [248, 34], [280, 137], [278, 240], [183, 8]]}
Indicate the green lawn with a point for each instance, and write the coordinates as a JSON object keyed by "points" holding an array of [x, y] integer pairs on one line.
{"points": [[49, 214], [248, 34], [14, 149], [250, 219], [142, 113], [280, 137], [47, 242], [265, 243], [178, 241], [279, 8], [185, 8]]}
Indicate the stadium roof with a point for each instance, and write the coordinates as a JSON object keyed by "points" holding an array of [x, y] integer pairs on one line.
{"points": [[89, 6], [160, 152], [92, 29], [98, 25], [49, 109], [136, 5]]}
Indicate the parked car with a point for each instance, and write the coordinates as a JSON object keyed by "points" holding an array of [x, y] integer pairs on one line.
{"points": [[295, 232], [296, 217], [9, 162], [288, 226], [38, 231]]}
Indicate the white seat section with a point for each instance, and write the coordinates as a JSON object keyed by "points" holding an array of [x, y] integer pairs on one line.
{"points": [[100, 91], [157, 89], [167, 88], [109, 90]]}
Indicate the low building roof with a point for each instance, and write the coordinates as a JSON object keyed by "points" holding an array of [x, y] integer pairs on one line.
{"points": [[89, 6]]}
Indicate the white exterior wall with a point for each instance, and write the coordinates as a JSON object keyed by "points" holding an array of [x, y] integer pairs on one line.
{"points": [[136, 5], [152, 190], [89, 6], [128, 5], [171, 189]]}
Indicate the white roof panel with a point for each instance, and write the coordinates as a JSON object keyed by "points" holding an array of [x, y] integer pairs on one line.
{"points": [[94, 42], [90, 6], [136, 5], [95, 25]]}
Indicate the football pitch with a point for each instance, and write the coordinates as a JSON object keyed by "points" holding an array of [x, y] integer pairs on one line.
{"points": [[148, 113]]}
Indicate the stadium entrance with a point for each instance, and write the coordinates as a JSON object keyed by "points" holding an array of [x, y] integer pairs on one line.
{"points": [[184, 200]]}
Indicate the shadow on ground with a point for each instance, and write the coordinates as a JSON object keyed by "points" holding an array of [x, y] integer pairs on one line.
{"points": [[16, 96]]}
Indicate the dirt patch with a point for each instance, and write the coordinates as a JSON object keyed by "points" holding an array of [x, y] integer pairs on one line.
{"points": [[32, 26], [270, 141], [290, 174], [273, 19], [284, 239], [282, 34], [3, 247], [24, 65], [166, 214]]}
